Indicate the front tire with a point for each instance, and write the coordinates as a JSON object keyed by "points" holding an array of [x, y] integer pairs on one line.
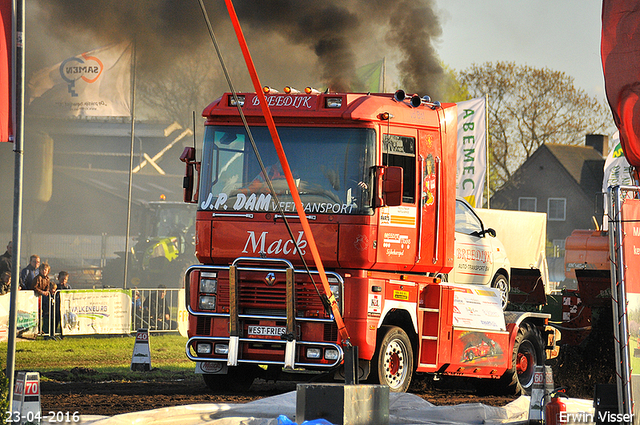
{"points": [[393, 360]]}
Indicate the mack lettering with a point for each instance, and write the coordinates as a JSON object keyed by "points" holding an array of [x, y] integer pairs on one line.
{"points": [[278, 246]]}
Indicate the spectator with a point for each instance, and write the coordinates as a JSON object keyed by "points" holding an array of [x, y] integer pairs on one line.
{"points": [[5, 259], [159, 311], [63, 279], [136, 310], [41, 283], [5, 282], [42, 289], [28, 274]]}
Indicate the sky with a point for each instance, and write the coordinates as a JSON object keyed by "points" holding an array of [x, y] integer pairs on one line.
{"points": [[562, 35]]}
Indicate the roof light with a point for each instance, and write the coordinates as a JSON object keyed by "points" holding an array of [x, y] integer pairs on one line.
{"points": [[163, 197], [333, 102], [269, 90], [385, 116], [311, 90], [232, 100], [291, 90]]}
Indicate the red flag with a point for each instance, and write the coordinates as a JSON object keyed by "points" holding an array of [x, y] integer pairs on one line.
{"points": [[620, 48], [6, 130]]}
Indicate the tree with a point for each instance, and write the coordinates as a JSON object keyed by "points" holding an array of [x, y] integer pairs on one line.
{"points": [[528, 107], [175, 92]]}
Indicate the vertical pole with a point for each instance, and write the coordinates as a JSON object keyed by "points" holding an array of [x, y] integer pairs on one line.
{"points": [[486, 141], [18, 143], [619, 299], [384, 73], [133, 135]]}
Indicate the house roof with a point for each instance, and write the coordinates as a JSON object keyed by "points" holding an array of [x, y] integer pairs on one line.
{"points": [[583, 163]]}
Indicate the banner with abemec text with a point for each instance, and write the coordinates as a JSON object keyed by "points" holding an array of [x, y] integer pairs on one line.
{"points": [[95, 311], [472, 150], [95, 83]]}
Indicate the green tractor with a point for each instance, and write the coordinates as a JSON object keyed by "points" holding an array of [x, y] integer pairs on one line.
{"points": [[163, 250]]}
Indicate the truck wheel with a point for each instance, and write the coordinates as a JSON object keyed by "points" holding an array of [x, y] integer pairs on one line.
{"points": [[527, 354], [237, 380], [393, 359], [501, 283]]}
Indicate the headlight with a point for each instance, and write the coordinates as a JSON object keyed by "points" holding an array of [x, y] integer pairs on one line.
{"points": [[333, 102], [314, 353], [208, 286], [331, 354], [335, 289], [207, 302], [203, 348], [232, 101], [221, 349]]}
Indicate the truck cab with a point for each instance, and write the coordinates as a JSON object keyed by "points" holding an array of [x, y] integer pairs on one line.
{"points": [[375, 174]]}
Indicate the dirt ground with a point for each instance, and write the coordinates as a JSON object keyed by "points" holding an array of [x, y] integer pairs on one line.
{"points": [[578, 368], [112, 398]]}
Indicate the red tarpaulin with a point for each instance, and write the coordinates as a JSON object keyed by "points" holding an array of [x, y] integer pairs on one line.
{"points": [[6, 130], [621, 65]]}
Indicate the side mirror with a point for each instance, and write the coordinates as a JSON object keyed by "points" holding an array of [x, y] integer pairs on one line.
{"points": [[189, 158], [389, 183], [490, 232]]}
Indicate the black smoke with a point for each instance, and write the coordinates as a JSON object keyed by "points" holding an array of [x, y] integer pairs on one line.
{"points": [[327, 40]]}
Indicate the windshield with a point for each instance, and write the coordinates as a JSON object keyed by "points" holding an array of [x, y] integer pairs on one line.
{"points": [[331, 168]]}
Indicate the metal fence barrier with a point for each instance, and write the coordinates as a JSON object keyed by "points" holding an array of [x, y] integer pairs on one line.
{"points": [[153, 309]]}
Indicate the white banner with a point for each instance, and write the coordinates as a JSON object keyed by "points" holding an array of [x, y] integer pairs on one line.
{"points": [[95, 311], [27, 318], [472, 150], [96, 83], [617, 170]]}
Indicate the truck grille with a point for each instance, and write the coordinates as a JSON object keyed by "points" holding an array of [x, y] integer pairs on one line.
{"points": [[255, 295]]}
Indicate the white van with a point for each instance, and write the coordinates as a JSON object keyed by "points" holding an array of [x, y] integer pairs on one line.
{"points": [[479, 257]]}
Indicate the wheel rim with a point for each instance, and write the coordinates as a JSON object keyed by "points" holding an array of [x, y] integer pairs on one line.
{"points": [[502, 286], [395, 370], [526, 361]]}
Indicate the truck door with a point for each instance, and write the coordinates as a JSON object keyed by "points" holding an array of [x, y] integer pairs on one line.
{"points": [[430, 170], [397, 235]]}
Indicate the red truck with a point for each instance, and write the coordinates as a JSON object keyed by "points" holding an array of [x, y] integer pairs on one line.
{"points": [[376, 177]]}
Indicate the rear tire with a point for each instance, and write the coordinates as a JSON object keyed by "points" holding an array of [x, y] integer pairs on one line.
{"points": [[393, 362], [528, 352]]}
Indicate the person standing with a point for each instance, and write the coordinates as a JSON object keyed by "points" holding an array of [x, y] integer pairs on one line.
{"points": [[63, 279], [5, 259], [28, 274], [42, 289], [5, 283]]}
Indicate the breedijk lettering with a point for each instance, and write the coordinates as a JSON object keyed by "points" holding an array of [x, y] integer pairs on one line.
{"points": [[285, 101]]}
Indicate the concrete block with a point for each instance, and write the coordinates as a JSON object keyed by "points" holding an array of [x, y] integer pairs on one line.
{"points": [[343, 404]]}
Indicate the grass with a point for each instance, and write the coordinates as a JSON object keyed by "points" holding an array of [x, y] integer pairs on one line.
{"points": [[101, 358]]}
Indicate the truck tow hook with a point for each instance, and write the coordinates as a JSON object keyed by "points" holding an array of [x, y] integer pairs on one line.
{"points": [[288, 337]]}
